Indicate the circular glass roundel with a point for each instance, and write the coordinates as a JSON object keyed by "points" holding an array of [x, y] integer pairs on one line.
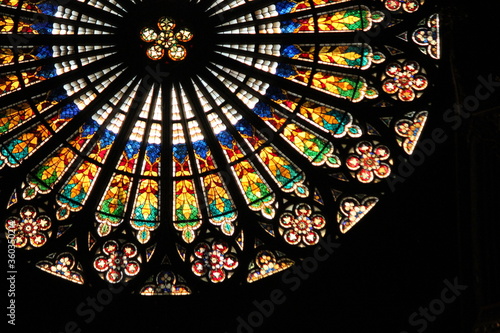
{"points": [[182, 144]]}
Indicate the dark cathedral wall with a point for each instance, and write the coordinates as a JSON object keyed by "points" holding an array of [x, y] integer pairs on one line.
{"points": [[433, 238]]}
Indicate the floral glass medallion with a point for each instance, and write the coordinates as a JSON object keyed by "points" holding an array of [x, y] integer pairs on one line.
{"points": [[166, 40]]}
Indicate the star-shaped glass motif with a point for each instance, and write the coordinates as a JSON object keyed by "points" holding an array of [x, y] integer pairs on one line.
{"points": [[166, 39]]}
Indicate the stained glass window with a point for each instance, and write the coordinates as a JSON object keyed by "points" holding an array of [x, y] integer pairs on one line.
{"points": [[190, 145]]}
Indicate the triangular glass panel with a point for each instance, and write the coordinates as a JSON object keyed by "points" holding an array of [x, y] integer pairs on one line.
{"points": [[240, 240], [403, 36], [317, 197], [382, 104], [392, 50], [73, 244], [258, 243], [181, 250], [150, 251], [339, 176], [268, 228], [352, 211], [12, 199], [386, 120], [62, 229], [91, 241], [166, 260], [336, 194], [371, 130]]}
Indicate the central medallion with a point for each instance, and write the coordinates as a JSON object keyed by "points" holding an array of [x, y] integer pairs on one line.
{"points": [[168, 39]]}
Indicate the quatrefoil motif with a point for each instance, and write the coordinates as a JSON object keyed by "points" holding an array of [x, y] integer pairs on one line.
{"points": [[166, 40]]}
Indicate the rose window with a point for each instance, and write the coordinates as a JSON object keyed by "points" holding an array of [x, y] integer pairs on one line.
{"points": [[170, 147]]}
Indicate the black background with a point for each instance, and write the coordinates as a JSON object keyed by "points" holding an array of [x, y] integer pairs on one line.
{"points": [[387, 267]]}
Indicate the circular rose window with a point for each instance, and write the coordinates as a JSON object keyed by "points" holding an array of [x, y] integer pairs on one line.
{"points": [[182, 144]]}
